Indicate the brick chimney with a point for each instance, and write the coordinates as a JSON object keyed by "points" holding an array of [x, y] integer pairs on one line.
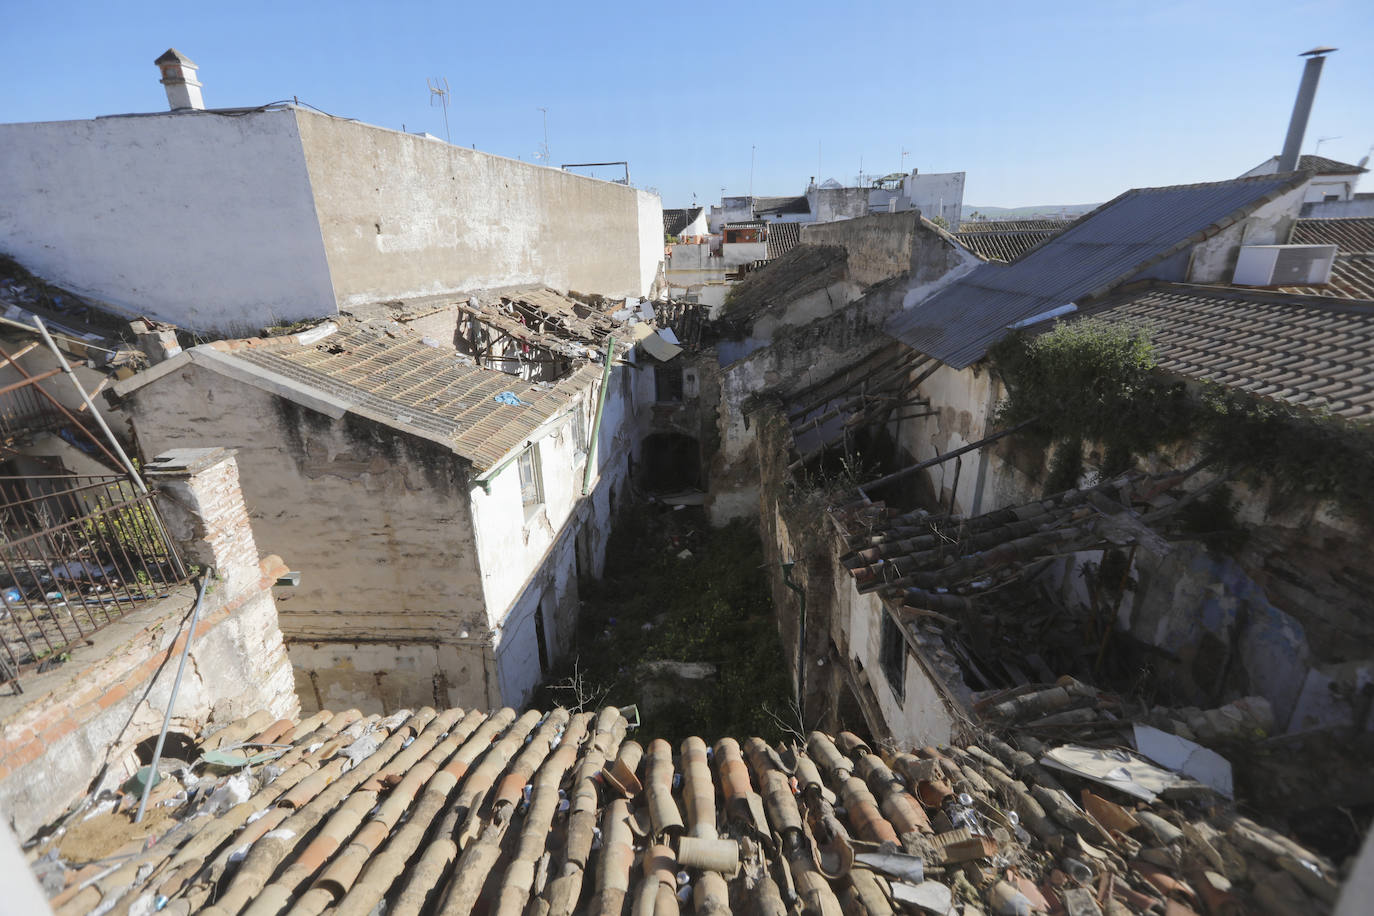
{"points": [[179, 79]]}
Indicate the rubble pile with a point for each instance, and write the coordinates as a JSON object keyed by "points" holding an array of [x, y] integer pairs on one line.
{"points": [[562, 812]]}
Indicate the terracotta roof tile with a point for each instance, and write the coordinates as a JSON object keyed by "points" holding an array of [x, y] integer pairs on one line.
{"points": [[460, 811], [394, 378], [1309, 350]]}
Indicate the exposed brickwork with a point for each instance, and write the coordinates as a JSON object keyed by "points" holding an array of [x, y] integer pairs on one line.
{"points": [[91, 711]]}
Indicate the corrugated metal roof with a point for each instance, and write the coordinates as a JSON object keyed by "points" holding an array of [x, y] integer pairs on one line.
{"points": [[402, 382], [1313, 351], [1101, 250]]}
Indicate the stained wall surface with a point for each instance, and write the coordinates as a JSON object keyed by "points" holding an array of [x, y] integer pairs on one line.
{"points": [[199, 219], [405, 215]]}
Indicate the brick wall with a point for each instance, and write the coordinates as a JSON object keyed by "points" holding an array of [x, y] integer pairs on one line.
{"points": [[75, 727]]}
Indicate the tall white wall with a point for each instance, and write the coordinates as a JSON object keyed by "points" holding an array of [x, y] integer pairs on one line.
{"points": [[199, 219], [936, 194], [405, 215]]}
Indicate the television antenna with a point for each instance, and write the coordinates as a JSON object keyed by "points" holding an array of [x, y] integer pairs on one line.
{"points": [[438, 89], [1320, 140], [543, 154]]}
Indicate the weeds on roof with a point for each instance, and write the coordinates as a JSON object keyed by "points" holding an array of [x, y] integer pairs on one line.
{"points": [[1097, 381]]}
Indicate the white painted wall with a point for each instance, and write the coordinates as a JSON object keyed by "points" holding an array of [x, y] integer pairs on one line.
{"points": [[198, 219], [936, 194], [736, 253], [530, 566], [650, 240]]}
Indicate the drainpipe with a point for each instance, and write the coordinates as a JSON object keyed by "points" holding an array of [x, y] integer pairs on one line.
{"points": [[801, 637], [172, 700], [596, 424]]}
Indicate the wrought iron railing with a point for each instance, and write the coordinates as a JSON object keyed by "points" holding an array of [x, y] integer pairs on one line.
{"points": [[78, 553]]}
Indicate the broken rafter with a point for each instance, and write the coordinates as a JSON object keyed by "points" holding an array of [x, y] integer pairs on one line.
{"points": [[940, 459]]}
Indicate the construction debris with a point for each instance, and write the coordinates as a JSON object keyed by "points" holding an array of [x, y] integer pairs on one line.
{"points": [[460, 811]]}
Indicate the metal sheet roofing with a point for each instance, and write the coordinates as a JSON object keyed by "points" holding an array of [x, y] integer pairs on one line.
{"points": [[1099, 251], [396, 379], [1306, 350]]}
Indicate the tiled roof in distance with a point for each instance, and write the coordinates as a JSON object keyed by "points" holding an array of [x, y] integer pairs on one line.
{"points": [[458, 811], [782, 238], [1006, 245], [396, 379], [1349, 234], [1102, 249], [1304, 350], [1352, 277]]}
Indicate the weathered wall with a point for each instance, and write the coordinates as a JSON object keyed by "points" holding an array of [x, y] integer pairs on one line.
{"points": [[531, 562], [197, 219], [376, 522], [405, 216], [1359, 205], [93, 710], [796, 358], [829, 204], [842, 649], [1280, 616], [80, 722], [884, 245], [1214, 260]]}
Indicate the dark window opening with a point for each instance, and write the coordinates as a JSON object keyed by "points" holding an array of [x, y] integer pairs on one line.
{"points": [[668, 382], [542, 638], [892, 656], [671, 463]]}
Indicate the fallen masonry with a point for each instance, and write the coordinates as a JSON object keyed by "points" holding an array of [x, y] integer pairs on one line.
{"points": [[458, 811]]}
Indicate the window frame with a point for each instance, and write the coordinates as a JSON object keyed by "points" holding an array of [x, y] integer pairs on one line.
{"points": [[892, 653], [527, 465]]}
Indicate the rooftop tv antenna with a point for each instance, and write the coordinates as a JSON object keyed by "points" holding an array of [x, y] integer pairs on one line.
{"points": [[1320, 140], [438, 89], [543, 154]]}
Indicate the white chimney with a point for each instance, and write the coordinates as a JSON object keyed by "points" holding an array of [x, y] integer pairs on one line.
{"points": [[179, 79]]}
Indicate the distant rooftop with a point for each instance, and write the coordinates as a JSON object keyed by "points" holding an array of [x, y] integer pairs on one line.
{"points": [[1101, 250]]}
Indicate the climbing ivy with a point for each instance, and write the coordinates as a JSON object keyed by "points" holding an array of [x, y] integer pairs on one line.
{"points": [[1094, 380]]}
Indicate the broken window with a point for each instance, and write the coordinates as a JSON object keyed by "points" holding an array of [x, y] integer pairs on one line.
{"points": [[531, 479], [579, 432], [892, 656], [668, 382]]}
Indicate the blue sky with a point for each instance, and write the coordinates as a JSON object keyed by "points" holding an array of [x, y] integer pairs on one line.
{"points": [[1069, 106]]}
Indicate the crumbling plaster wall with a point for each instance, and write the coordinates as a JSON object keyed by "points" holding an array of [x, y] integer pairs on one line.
{"points": [[75, 727], [405, 216], [884, 245], [1280, 616], [1214, 260], [197, 219], [843, 643], [531, 561], [377, 523]]}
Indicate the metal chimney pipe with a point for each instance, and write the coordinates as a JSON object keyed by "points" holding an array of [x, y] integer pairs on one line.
{"points": [[1302, 107]]}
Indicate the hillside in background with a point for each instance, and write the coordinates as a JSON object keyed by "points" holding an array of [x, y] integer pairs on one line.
{"points": [[1047, 211]]}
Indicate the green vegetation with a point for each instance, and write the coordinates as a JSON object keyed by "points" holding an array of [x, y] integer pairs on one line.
{"points": [[714, 607], [1098, 381]]}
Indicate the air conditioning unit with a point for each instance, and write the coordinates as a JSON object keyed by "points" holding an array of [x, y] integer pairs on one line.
{"points": [[1284, 265]]}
